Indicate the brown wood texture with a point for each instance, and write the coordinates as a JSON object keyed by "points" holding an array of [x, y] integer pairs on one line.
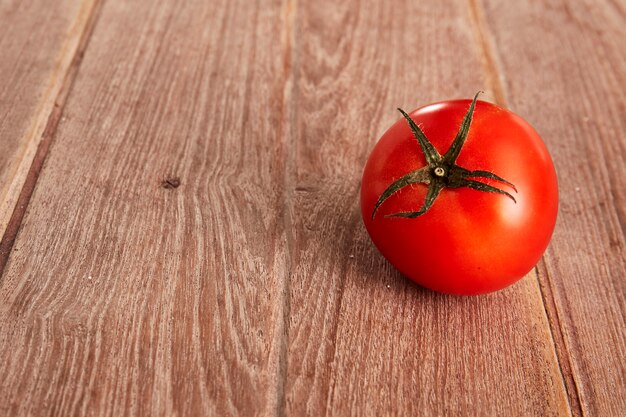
{"points": [[37, 47], [193, 244], [575, 54], [362, 340], [143, 297]]}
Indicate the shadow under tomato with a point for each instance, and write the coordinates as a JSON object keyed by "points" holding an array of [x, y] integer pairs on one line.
{"points": [[365, 265], [342, 259], [361, 264]]}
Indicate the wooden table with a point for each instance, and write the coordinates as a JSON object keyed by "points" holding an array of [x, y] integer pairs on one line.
{"points": [[180, 222]]}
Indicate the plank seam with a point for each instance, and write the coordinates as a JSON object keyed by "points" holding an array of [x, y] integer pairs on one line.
{"points": [[494, 80], [556, 332], [487, 51], [287, 127], [47, 137]]}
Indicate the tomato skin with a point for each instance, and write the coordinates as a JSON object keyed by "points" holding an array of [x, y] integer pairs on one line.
{"points": [[468, 242]]}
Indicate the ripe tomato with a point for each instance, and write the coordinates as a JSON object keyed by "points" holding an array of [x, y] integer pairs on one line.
{"points": [[460, 196]]}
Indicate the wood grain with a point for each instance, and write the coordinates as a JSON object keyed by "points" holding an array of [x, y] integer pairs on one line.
{"points": [[565, 66], [362, 339], [38, 44], [148, 275], [193, 244]]}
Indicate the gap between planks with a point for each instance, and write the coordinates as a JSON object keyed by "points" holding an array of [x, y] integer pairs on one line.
{"points": [[494, 75], [288, 110], [89, 17]]}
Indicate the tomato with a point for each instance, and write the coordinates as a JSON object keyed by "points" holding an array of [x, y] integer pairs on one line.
{"points": [[460, 196]]}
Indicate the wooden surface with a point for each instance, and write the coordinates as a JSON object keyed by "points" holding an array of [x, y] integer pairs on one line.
{"points": [[181, 233], [39, 45]]}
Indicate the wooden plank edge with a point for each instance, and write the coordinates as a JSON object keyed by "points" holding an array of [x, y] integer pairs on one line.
{"points": [[558, 339], [288, 130], [42, 133], [491, 69], [495, 82]]}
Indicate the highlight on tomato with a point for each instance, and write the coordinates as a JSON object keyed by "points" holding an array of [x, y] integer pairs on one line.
{"points": [[460, 196]]}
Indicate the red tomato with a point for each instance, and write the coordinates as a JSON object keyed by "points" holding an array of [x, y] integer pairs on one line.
{"points": [[469, 214]]}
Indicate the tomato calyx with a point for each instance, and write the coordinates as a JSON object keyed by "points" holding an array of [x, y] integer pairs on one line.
{"points": [[442, 171]]}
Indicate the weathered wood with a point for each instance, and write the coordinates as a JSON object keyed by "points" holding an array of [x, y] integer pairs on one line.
{"points": [[565, 70], [147, 278], [38, 43], [362, 339], [193, 245]]}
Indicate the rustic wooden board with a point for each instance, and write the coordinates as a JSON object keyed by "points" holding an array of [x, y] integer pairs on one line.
{"points": [[38, 43], [148, 275], [565, 70], [362, 339], [193, 245]]}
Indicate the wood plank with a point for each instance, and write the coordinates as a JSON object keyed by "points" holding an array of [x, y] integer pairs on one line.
{"points": [[565, 67], [147, 277], [38, 42], [362, 339]]}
